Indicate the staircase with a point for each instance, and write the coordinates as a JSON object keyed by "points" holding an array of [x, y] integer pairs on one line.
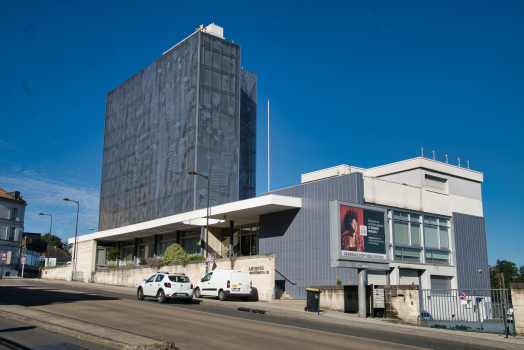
{"points": [[281, 294]]}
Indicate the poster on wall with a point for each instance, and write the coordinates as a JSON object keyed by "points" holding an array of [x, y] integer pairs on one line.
{"points": [[358, 233]]}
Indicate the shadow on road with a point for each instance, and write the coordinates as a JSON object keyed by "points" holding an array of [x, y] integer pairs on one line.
{"points": [[8, 344], [36, 297], [17, 329]]}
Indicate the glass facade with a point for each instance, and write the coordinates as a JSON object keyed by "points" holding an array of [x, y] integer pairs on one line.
{"points": [[411, 229]]}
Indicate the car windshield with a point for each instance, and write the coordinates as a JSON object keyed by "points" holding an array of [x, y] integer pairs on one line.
{"points": [[179, 279]]}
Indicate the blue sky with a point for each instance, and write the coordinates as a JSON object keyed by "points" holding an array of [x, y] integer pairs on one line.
{"points": [[352, 82]]}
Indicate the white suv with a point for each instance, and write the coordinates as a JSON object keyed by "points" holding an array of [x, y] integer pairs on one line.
{"points": [[164, 285]]}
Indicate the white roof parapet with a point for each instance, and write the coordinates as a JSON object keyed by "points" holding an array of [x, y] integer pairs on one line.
{"points": [[241, 212], [392, 168], [331, 172], [426, 163]]}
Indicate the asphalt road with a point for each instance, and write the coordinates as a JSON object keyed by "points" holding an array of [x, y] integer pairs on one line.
{"points": [[201, 326], [16, 335]]}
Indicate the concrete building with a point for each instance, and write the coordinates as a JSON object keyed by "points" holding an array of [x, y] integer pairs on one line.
{"points": [[194, 109], [12, 211]]}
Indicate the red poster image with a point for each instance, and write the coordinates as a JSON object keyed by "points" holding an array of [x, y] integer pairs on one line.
{"points": [[351, 221]]}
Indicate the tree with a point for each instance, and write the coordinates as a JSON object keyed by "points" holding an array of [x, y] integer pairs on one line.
{"points": [[113, 255], [511, 273], [52, 240], [174, 253]]}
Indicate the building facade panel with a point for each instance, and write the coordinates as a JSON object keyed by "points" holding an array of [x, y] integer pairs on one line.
{"points": [[301, 238], [180, 113], [471, 251]]}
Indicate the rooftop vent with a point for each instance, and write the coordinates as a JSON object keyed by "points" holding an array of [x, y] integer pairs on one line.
{"points": [[213, 29]]}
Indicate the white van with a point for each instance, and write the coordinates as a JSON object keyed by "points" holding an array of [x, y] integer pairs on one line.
{"points": [[225, 284]]}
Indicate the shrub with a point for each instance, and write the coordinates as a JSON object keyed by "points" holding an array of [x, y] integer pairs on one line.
{"points": [[174, 253], [155, 262], [112, 266], [113, 255], [142, 261], [185, 261], [339, 281]]}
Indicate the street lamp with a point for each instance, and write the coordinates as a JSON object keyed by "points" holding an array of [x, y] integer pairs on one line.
{"points": [[192, 172], [73, 258], [50, 228]]}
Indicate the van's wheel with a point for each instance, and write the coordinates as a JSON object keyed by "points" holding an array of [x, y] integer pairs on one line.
{"points": [[140, 294], [221, 295], [197, 293], [161, 297]]}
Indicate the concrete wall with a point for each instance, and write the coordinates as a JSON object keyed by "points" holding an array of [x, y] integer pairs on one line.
{"points": [[62, 273], [261, 267], [86, 260], [517, 296], [402, 302], [331, 297], [403, 196]]}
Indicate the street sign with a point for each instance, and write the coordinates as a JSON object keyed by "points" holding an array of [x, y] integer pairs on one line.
{"points": [[378, 298], [209, 259], [42, 258], [463, 299], [22, 259], [4, 256]]}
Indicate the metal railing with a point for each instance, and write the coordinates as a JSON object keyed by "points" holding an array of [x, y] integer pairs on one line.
{"points": [[484, 310], [287, 279], [444, 158]]}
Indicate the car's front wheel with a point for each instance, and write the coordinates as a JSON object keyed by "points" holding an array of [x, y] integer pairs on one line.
{"points": [[221, 295], [140, 294], [161, 297], [197, 293]]}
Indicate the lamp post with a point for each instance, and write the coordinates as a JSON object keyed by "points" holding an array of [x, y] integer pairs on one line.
{"points": [[50, 228], [73, 258], [192, 172]]}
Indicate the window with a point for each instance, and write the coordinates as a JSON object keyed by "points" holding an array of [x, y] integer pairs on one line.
{"points": [[151, 279], [406, 229], [159, 278], [436, 232], [11, 234], [436, 184], [13, 214], [190, 241], [179, 279], [407, 254], [437, 257], [207, 277], [248, 239]]}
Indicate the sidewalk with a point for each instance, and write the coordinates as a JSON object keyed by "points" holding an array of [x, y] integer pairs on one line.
{"points": [[287, 309]]}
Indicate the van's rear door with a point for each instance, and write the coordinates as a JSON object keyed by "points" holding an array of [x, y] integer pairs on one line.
{"points": [[240, 282]]}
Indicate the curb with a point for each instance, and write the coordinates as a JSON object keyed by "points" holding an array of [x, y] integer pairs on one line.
{"points": [[88, 336]]}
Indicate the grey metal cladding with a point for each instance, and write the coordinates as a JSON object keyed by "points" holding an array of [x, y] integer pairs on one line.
{"points": [[218, 123], [248, 133], [471, 251], [151, 138], [301, 238]]}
